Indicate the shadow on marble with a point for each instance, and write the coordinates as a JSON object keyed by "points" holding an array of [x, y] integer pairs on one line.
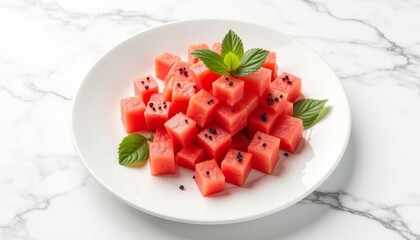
{"points": [[281, 224]]}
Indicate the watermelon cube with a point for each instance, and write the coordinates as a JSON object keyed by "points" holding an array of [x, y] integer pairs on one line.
{"points": [[248, 102], [215, 141], [156, 114], [182, 129], [203, 76], [258, 81], [209, 178], [194, 47], [217, 47], [289, 84], [181, 94], [163, 63], [232, 119], [228, 89], [262, 120], [289, 108], [265, 152], [270, 63], [132, 114], [145, 86], [161, 135], [289, 130], [182, 70], [169, 88], [161, 156], [273, 99], [189, 156], [236, 166], [202, 107], [158, 97], [240, 142]]}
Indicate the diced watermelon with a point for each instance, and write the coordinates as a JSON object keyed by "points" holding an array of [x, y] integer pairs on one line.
{"points": [[248, 102], [162, 160], [132, 114], [265, 152], [231, 118], [182, 70], [289, 130], [158, 97], [189, 156], [161, 135], [215, 141], [274, 99], [228, 89], [168, 90], [217, 47], [203, 76], [236, 166], [258, 81], [289, 84], [156, 114], [209, 178], [270, 63], [240, 142], [182, 129], [181, 94], [145, 86], [289, 108], [194, 47], [202, 107], [262, 120], [163, 63]]}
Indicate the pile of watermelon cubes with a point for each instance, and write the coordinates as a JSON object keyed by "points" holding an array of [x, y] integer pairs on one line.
{"points": [[219, 126]]}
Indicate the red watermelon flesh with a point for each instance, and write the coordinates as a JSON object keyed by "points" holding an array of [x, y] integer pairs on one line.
{"points": [[161, 156], [168, 90], [194, 47], [265, 152], [182, 70], [158, 97], [231, 118], [289, 108], [156, 114], [289, 130], [164, 63], [236, 166], [145, 86], [217, 47], [181, 129], [248, 102], [181, 94], [209, 178], [202, 107], [258, 81], [262, 120], [189, 156], [228, 89], [215, 141], [289, 84], [132, 114], [161, 135], [271, 63], [203, 76], [240, 142], [273, 99]]}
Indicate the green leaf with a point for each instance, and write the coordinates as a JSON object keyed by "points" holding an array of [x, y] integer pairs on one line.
{"points": [[133, 150], [251, 62], [231, 60], [308, 110], [232, 43], [212, 60]]}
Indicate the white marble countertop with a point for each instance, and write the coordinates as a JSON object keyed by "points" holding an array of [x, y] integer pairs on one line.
{"points": [[47, 46]]}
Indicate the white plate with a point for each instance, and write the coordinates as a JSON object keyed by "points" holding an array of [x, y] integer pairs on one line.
{"points": [[97, 128]]}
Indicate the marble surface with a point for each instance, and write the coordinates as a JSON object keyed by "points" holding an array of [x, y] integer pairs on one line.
{"points": [[47, 46]]}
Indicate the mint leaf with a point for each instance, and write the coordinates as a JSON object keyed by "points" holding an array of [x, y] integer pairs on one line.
{"points": [[308, 110], [252, 60], [133, 150], [212, 60], [232, 43], [231, 61]]}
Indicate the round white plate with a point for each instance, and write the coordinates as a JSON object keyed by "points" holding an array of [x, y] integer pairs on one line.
{"points": [[97, 129]]}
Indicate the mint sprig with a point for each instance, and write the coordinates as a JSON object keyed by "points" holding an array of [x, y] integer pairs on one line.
{"points": [[232, 60], [133, 150], [308, 110]]}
